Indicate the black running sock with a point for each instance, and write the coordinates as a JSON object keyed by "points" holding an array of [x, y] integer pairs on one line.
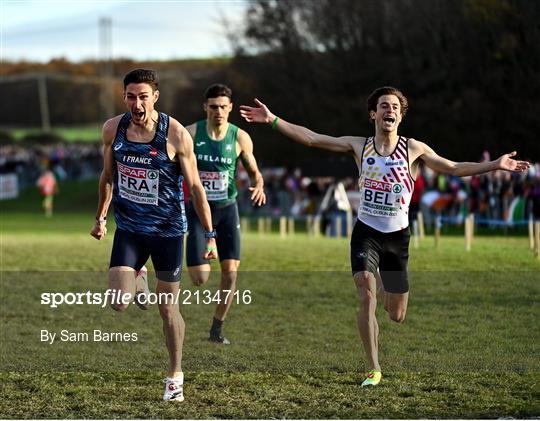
{"points": [[215, 330]]}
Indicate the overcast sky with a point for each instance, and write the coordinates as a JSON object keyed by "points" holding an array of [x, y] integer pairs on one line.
{"points": [[39, 30]]}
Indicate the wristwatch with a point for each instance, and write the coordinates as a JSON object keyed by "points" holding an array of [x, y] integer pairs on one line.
{"points": [[210, 234]]}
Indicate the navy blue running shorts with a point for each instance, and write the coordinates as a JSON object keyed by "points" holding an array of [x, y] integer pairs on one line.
{"points": [[372, 249], [227, 225], [133, 250]]}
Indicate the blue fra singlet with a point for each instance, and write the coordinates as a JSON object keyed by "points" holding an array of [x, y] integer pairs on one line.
{"points": [[147, 193]]}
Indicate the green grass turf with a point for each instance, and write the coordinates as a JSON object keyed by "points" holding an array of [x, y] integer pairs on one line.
{"points": [[468, 349]]}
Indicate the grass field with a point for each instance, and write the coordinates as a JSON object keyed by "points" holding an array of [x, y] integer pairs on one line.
{"points": [[468, 349]]}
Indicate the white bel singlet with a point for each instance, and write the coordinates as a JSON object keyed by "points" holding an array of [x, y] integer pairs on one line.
{"points": [[386, 187]]}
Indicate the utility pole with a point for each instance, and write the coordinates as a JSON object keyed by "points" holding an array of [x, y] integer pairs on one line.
{"points": [[107, 81], [43, 103]]}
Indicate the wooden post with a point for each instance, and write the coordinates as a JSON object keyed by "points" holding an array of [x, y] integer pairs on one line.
{"points": [[44, 104], [244, 224], [468, 233], [421, 230], [339, 226], [260, 223], [317, 226], [537, 239], [282, 226], [309, 225], [531, 233], [290, 225], [437, 230], [268, 225], [415, 234]]}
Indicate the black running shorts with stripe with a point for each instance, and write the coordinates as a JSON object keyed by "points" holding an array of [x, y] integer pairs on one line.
{"points": [[372, 249], [227, 225], [133, 250]]}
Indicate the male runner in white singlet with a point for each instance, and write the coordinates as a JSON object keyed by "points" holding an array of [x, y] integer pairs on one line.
{"points": [[388, 164]]}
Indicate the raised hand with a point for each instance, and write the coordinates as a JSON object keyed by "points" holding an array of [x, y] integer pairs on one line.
{"points": [[505, 162], [258, 114]]}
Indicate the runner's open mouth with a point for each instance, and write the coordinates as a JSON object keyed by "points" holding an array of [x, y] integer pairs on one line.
{"points": [[389, 119]]}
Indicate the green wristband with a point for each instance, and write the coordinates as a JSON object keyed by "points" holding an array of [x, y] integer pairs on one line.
{"points": [[211, 248], [274, 123]]}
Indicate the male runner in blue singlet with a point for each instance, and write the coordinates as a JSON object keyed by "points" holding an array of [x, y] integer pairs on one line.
{"points": [[387, 164], [218, 145], [146, 156]]}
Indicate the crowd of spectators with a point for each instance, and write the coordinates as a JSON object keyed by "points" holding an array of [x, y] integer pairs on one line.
{"points": [[68, 161], [495, 198]]}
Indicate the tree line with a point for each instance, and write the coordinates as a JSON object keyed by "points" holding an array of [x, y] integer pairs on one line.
{"points": [[469, 68]]}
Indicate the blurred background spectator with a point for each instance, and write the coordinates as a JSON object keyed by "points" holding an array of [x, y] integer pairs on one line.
{"points": [[496, 198]]}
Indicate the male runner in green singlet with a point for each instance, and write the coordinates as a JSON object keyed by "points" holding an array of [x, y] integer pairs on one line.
{"points": [[217, 146], [388, 164]]}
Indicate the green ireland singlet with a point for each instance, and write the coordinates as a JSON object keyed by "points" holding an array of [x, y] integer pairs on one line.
{"points": [[216, 161]]}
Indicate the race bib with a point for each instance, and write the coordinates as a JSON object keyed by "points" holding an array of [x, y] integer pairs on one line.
{"points": [[215, 183], [138, 185], [380, 198]]}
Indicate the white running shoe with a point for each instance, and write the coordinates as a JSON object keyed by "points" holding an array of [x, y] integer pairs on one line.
{"points": [[174, 389], [141, 297]]}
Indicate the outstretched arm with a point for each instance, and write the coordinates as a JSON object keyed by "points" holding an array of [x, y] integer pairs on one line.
{"points": [[463, 169], [258, 197], [300, 134]]}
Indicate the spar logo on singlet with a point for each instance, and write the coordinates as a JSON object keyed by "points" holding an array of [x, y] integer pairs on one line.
{"points": [[139, 185], [215, 183], [380, 198]]}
